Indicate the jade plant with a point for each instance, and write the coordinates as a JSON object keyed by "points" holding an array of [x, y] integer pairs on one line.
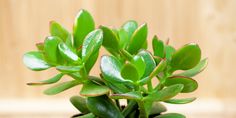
{"points": [[133, 82]]}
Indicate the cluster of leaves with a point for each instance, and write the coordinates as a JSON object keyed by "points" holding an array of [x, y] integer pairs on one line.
{"points": [[125, 74]]}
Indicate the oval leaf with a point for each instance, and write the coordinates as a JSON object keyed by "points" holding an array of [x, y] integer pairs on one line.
{"points": [[157, 108], [57, 30], [158, 47], [194, 71], [129, 72], [139, 64], [48, 81], [130, 27], [134, 95], [186, 57], [69, 69], [91, 89], [80, 104], [91, 44], [91, 61], [150, 63], [110, 40], [190, 85], [68, 53], [103, 107], [137, 39], [169, 51], [83, 24], [171, 115], [61, 87], [51, 49], [35, 61], [123, 38], [180, 101]]}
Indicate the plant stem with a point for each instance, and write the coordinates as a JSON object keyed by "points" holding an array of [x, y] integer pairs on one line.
{"points": [[142, 111], [126, 54], [149, 85]]}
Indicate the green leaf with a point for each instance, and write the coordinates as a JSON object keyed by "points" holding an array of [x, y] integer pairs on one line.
{"points": [[61, 87], [103, 107], [194, 71], [165, 93], [171, 115], [160, 67], [137, 39], [186, 57], [117, 87], [51, 51], [180, 101], [129, 72], [169, 51], [158, 47], [57, 30], [111, 67], [40, 46], [139, 64], [91, 61], [68, 53], [91, 89], [130, 27], [150, 63], [134, 95], [89, 115], [157, 108], [92, 44], [83, 24], [145, 45], [48, 81], [35, 61], [69, 69], [110, 40], [190, 85], [124, 39], [80, 104]]}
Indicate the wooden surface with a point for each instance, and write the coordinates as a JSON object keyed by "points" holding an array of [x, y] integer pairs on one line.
{"points": [[211, 23]]}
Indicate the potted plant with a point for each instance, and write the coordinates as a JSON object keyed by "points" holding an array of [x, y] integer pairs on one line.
{"points": [[127, 73]]}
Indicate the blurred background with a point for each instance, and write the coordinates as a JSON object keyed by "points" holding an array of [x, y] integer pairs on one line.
{"points": [[210, 23]]}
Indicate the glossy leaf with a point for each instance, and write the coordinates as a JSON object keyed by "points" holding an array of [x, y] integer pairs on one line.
{"points": [[171, 115], [180, 101], [165, 93], [35, 61], [137, 39], [117, 87], [80, 104], [158, 47], [83, 24], [190, 85], [91, 61], [194, 71], [150, 63], [68, 53], [160, 67], [91, 89], [123, 38], [129, 72], [61, 87], [48, 81], [134, 95], [139, 64], [130, 27], [145, 45], [186, 57], [157, 108], [111, 67], [110, 40], [57, 30], [92, 44], [51, 49], [68, 69], [103, 107], [169, 51]]}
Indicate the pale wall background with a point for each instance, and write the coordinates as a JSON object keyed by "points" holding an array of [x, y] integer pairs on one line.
{"points": [[210, 23]]}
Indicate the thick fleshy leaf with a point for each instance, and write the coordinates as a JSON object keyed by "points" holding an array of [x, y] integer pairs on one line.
{"points": [[40, 46], [134, 95], [139, 64], [91, 61], [165, 93], [61, 87], [111, 67], [35, 61], [137, 39], [117, 87], [171, 115], [169, 51], [110, 40], [91, 89], [83, 24], [186, 57], [190, 85], [130, 27], [180, 101], [160, 67], [69, 69], [158, 47], [79, 103], [194, 71], [123, 38], [57, 30], [92, 44], [103, 107], [51, 51], [129, 72], [149, 62], [145, 45], [68, 53], [48, 81], [157, 108]]}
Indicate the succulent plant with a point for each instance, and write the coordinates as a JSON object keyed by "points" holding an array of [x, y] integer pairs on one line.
{"points": [[127, 73]]}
